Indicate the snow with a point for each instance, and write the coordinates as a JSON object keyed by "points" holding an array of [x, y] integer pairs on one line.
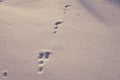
{"points": [[85, 46]]}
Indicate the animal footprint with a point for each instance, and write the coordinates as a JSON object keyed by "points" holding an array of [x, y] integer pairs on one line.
{"points": [[44, 55], [40, 69], [41, 62], [42, 58], [4, 75], [1, 0], [47, 54], [41, 54], [57, 25], [54, 32], [66, 8]]}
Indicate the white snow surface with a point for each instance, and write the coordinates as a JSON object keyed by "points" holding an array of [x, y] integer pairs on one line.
{"points": [[86, 46]]}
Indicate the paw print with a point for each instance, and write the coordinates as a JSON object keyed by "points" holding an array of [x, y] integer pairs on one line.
{"points": [[1, 0], [66, 8], [43, 57], [4, 75], [57, 25]]}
